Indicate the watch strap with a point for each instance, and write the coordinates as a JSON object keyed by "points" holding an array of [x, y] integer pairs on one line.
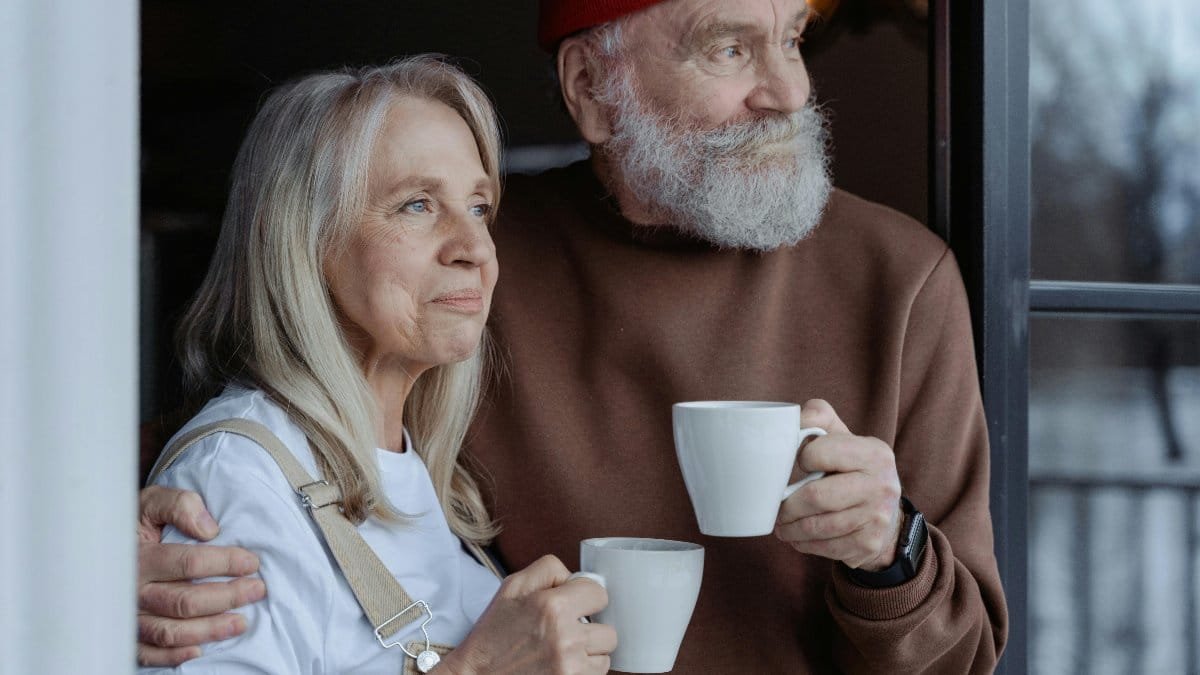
{"points": [[910, 550]]}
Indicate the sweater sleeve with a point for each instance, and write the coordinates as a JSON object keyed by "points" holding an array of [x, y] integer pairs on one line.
{"points": [[951, 618], [248, 495]]}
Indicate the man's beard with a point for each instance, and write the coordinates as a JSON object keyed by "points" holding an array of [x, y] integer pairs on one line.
{"points": [[756, 184]]}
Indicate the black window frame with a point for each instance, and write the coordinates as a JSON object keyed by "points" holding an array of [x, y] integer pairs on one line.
{"points": [[980, 202]]}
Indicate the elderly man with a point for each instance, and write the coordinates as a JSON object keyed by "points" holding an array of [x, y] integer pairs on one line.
{"points": [[701, 254]]}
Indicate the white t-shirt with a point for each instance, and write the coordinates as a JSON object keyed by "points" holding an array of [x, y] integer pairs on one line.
{"points": [[310, 621]]}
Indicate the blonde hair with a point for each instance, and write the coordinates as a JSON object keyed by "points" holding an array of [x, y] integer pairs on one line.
{"points": [[264, 316]]}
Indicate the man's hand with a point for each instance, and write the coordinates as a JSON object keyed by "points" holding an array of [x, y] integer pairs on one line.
{"points": [[175, 616], [853, 513]]}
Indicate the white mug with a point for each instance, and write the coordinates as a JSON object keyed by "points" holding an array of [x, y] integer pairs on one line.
{"points": [[652, 589], [736, 457]]}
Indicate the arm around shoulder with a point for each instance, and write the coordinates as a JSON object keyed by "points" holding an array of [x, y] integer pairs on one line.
{"points": [[285, 631]]}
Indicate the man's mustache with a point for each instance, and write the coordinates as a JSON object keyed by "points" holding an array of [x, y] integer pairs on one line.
{"points": [[750, 135]]}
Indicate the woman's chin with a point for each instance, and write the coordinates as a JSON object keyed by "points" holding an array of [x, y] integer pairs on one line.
{"points": [[457, 350]]}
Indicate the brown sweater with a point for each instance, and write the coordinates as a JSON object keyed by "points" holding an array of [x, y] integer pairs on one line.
{"points": [[604, 325]]}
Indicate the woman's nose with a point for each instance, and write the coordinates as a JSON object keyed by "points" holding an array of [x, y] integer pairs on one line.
{"points": [[471, 244]]}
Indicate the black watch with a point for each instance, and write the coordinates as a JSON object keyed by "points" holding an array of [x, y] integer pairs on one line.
{"points": [[909, 551]]}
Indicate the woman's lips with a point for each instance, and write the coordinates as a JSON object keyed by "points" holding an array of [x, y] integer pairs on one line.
{"points": [[468, 301]]}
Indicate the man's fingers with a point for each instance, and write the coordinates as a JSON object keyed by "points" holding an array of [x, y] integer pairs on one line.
{"points": [[172, 562], [824, 526], [818, 413], [157, 631], [841, 548], [165, 657], [601, 639], [856, 537], [184, 509], [834, 492], [841, 453], [186, 600]]}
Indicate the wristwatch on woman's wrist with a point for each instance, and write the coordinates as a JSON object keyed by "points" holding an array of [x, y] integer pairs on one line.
{"points": [[909, 551]]}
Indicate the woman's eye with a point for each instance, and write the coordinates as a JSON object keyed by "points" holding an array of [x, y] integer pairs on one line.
{"points": [[417, 206], [481, 210], [793, 43]]}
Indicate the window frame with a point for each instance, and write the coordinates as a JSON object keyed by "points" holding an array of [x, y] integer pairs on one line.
{"points": [[980, 202]]}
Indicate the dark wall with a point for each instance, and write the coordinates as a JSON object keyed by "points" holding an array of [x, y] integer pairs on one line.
{"points": [[205, 66]]}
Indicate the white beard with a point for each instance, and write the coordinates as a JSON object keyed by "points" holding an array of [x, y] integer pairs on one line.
{"points": [[758, 184]]}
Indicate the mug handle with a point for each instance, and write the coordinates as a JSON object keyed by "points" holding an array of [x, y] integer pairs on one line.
{"points": [[590, 576], [811, 432]]}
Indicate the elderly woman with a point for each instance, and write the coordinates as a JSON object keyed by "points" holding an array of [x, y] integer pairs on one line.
{"points": [[344, 311]]}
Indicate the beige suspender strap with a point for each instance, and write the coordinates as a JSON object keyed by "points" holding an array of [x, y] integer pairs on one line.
{"points": [[383, 599]]}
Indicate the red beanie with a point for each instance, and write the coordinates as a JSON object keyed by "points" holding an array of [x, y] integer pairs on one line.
{"points": [[558, 19]]}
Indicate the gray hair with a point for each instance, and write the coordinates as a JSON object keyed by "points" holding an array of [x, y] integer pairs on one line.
{"points": [[264, 316]]}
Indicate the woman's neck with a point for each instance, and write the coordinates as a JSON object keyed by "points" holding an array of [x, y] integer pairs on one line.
{"points": [[390, 383]]}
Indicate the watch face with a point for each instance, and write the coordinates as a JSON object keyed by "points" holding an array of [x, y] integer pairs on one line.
{"points": [[913, 547]]}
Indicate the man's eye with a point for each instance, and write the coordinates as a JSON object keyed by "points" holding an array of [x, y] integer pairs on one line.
{"points": [[729, 53]]}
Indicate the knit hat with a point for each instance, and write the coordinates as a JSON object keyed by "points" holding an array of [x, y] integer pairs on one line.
{"points": [[558, 19]]}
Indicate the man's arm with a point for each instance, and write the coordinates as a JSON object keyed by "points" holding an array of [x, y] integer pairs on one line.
{"points": [[175, 616], [951, 617]]}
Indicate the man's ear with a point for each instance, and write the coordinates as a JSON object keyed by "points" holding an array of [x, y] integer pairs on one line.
{"points": [[576, 76]]}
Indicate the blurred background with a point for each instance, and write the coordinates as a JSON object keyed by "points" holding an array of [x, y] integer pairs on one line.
{"points": [[1114, 403], [1114, 119]]}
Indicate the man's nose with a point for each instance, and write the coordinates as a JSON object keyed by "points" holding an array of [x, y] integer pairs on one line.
{"points": [[784, 85]]}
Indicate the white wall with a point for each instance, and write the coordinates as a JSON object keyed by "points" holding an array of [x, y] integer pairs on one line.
{"points": [[68, 340]]}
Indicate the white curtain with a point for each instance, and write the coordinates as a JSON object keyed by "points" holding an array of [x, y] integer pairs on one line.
{"points": [[68, 334]]}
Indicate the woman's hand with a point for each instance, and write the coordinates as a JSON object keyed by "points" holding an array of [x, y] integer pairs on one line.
{"points": [[533, 626]]}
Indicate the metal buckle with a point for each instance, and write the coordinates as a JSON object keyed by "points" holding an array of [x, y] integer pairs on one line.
{"points": [[306, 500], [379, 629]]}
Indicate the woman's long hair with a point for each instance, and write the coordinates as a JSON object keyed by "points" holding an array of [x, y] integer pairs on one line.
{"points": [[264, 316]]}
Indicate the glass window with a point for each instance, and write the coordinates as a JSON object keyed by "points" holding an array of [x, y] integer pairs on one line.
{"points": [[1114, 442], [1114, 92]]}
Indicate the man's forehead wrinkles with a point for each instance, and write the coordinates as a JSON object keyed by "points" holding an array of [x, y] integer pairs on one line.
{"points": [[708, 26]]}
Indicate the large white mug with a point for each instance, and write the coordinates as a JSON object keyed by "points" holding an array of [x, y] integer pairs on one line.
{"points": [[652, 589], [736, 457]]}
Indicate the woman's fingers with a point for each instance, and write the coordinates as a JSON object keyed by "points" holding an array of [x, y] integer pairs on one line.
{"points": [[601, 639], [543, 573], [599, 664], [584, 596]]}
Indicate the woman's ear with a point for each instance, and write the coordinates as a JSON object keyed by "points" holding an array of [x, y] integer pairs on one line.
{"points": [[577, 78]]}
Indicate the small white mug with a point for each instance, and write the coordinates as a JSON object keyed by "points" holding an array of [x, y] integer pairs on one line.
{"points": [[652, 589], [736, 457]]}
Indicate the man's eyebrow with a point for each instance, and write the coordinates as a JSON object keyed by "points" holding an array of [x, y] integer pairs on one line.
{"points": [[715, 30], [709, 33]]}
